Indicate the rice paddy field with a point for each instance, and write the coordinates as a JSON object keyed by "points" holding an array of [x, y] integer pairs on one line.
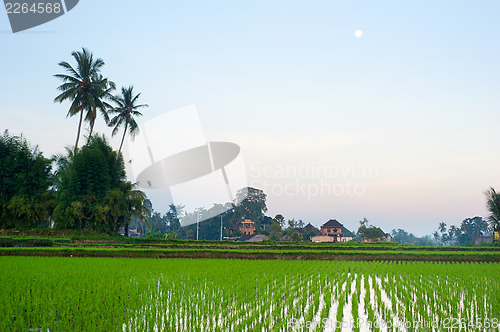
{"points": [[123, 294]]}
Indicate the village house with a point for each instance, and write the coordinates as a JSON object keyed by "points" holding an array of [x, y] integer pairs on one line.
{"points": [[246, 227], [348, 235], [310, 229], [333, 231], [481, 240]]}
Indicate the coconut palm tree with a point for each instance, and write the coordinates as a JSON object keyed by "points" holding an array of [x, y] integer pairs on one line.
{"points": [[100, 96], [125, 111], [493, 204], [456, 232], [436, 237], [85, 87], [98, 102], [134, 204]]}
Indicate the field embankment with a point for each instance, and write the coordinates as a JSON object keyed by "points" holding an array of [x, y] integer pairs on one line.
{"points": [[143, 248]]}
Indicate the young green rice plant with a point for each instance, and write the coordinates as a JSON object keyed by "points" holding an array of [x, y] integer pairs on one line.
{"points": [[52, 293]]}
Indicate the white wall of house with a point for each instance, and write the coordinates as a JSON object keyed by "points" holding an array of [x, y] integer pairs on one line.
{"points": [[322, 238]]}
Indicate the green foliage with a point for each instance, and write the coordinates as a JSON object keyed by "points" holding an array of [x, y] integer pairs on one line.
{"points": [[280, 220], [25, 198], [168, 223], [493, 204], [26, 242], [275, 230], [308, 235], [463, 235], [370, 232], [401, 236], [251, 201], [92, 192], [209, 228], [295, 235], [154, 236], [469, 228]]}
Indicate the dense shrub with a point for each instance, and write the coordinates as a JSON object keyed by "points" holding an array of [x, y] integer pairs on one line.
{"points": [[25, 198], [92, 192]]}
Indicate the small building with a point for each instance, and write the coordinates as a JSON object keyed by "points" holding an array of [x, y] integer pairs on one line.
{"points": [[322, 238], [347, 235], [310, 229], [246, 227], [333, 231], [332, 228], [258, 238], [231, 238], [478, 240], [131, 232]]}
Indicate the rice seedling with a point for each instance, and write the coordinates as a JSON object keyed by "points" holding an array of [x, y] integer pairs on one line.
{"points": [[97, 294]]}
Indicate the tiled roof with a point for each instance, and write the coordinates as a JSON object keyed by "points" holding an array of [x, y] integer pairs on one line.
{"points": [[347, 232], [309, 227], [257, 238], [332, 223]]}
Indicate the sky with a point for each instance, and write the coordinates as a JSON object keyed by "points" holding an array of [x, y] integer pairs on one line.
{"points": [[399, 125]]}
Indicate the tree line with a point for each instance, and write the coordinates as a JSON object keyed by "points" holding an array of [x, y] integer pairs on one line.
{"points": [[86, 187]]}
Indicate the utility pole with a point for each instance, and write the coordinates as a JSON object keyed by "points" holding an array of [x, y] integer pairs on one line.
{"points": [[197, 224], [221, 227]]}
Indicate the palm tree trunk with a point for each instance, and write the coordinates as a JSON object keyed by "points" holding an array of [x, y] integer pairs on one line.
{"points": [[142, 227], [79, 128], [92, 123], [123, 138], [91, 130], [80, 124]]}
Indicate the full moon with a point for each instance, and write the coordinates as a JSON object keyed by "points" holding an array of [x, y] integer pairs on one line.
{"points": [[358, 33]]}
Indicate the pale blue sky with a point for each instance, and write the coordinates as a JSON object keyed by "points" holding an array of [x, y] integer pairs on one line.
{"points": [[416, 98]]}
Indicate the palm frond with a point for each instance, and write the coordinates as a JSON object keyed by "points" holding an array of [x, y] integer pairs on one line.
{"points": [[70, 69], [493, 205], [68, 94], [68, 78]]}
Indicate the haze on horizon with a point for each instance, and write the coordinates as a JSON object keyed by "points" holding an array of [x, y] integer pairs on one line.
{"points": [[398, 124]]}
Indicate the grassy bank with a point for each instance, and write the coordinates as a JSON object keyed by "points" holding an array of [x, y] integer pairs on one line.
{"points": [[98, 245], [258, 253]]}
